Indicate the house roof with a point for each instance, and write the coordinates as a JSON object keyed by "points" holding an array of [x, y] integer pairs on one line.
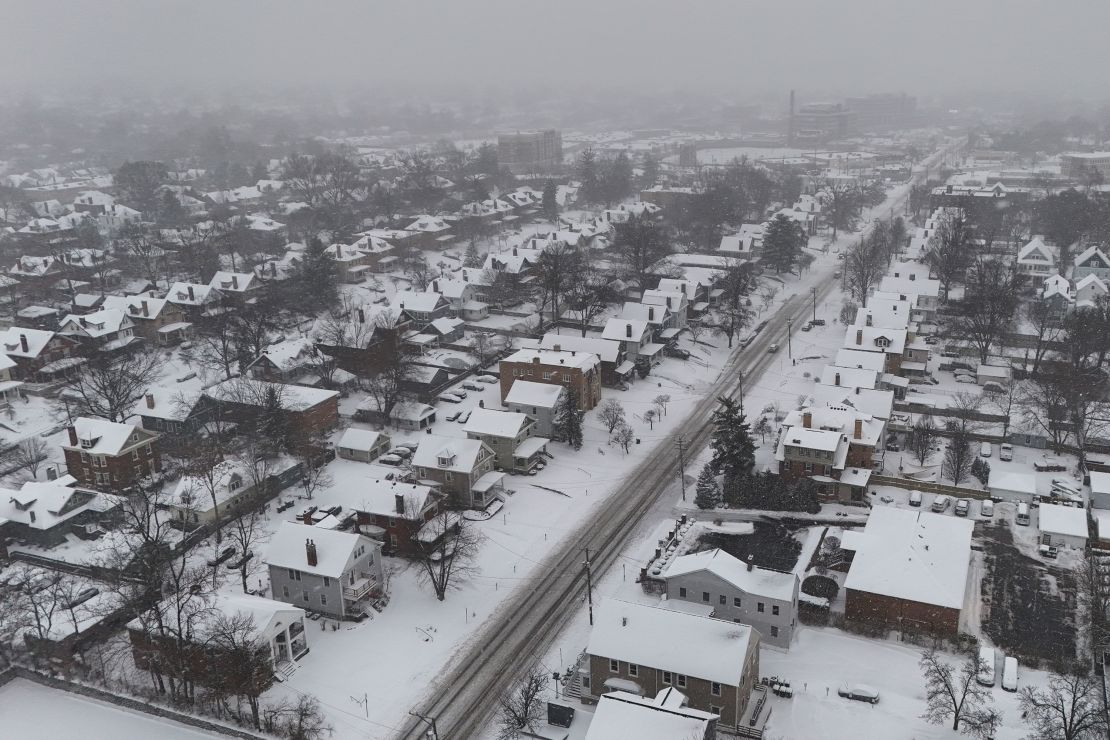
{"points": [[624, 330], [179, 293], [376, 495], [333, 548], [567, 358], [362, 440], [191, 489], [606, 349], [169, 404], [540, 395], [913, 555], [868, 339], [645, 313], [870, 401], [1093, 252], [44, 504], [1019, 482], [251, 392], [622, 714], [235, 282], [37, 340], [758, 581], [1035, 251], [461, 454], [133, 305], [97, 324], [288, 355], [409, 300], [495, 423], [1065, 520], [665, 639], [107, 437]]}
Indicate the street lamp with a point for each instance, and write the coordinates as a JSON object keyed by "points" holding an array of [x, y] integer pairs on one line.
{"points": [[813, 290], [789, 331]]}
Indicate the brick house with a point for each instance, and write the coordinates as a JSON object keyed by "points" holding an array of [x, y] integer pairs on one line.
{"points": [[512, 437], [646, 649], [393, 512], [822, 442], [615, 366], [109, 456], [309, 412], [336, 573], [909, 570], [459, 466], [40, 356], [571, 369], [360, 339], [156, 320]]}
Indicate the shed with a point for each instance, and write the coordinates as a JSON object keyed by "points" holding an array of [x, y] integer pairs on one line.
{"points": [[1100, 490], [990, 374], [363, 445], [1012, 486], [1063, 526]]}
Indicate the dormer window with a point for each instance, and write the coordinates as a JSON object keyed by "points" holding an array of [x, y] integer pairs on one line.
{"points": [[445, 460], [87, 443], [882, 342]]}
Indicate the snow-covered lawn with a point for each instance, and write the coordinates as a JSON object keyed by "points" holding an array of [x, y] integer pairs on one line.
{"points": [[31, 711]]}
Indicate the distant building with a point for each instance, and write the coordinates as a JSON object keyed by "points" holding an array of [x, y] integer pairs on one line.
{"points": [[822, 122], [1079, 165], [530, 149], [882, 111]]}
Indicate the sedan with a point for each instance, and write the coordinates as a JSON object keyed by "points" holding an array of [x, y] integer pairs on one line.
{"points": [[449, 398], [772, 349], [489, 379]]}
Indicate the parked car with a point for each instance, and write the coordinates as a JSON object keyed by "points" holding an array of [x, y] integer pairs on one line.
{"points": [[223, 555], [453, 415], [676, 352], [82, 597], [986, 509], [1006, 451], [771, 349], [1048, 551], [393, 460], [459, 392], [807, 326], [941, 503], [449, 398], [472, 386], [238, 563], [464, 417], [859, 692], [985, 449], [985, 676], [1023, 514], [965, 378], [488, 379], [1009, 674], [963, 506], [410, 446], [818, 322], [402, 452], [915, 498]]}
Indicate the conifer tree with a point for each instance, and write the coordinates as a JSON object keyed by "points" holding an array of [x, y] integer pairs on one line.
{"points": [[707, 493], [568, 419], [732, 444]]}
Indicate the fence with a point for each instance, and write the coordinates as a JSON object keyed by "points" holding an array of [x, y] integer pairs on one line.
{"points": [[929, 487]]}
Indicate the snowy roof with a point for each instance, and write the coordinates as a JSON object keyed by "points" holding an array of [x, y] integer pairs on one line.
{"points": [[606, 349], [102, 437], [859, 359], [620, 714], [362, 440], [97, 324], [12, 341], [43, 504], [446, 325], [838, 418], [1100, 482], [333, 549], [1102, 523], [413, 301], [1003, 480], [134, 305], [639, 312], [228, 477], [758, 581], [849, 377], [495, 423], [913, 555], [379, 496], [540, 395], [1093, 283], [581, 360], [1065, 520], [288, 355], [164, 403], [251, 392], [811, 439], [236, 282], [1094, 254], [664, 639], [875, 339], [201, 294], [459, 455], [623, 330], [1035, 251], [877, 403], [688, 287]]}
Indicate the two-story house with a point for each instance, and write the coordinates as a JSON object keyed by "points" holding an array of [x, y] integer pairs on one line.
{"points": [[646, 649], [664, 717], [659, 319], [615, 366], [464, 297], [336, 573], [674, 302], [236, 286], [156, 320], [459, 466], [635, 337], [580, 371], [891, 343], [540, 401], [697, 295], [1091, 261], [512, 437], [1036, 261], [1089, 290], [394, 512], [351, 263], [285, 362], [218, 495], [172, 413], [195, 299], [420, 308], [106, 330], [830, 444], [739, 592], [110, 456]]}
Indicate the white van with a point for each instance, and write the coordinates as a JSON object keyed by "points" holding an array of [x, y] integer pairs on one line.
{"points": [[1023, 514], [1009, 674], [985, 449], [941, 502], [987, 508], [1006, 451], [985, 677], [915, 498]]}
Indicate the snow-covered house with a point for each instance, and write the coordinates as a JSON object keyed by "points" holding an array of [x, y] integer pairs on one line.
{"points": [[284, 362], [110, 456], [826, 443], [363, 445], [460, 466], [540, 401], [767, 600], [635, 337], [512, 437], [421, 308], [43, 513], [1036, 260], [239, 284], [1089, 290], [196, 299], [891, 343], [1091, 261], [666, 717], [643, 649], [106, 330], [1056, 293], [336, 573], [201, 499], [157, 320], [616, 368], [909, 568], [674, 302], [1063, 526]]}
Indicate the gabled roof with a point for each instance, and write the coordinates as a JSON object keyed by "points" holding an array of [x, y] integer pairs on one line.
{"points": [[1092, 253], [362, 440], [624, 330], [1036, 250], [620, 714], [650, 314], [232, 282], [202, 294], [495, 423], [133, 306], [565, 358], [97, 324], [606, 349], [461, 455], [409, 300], [664, 639], [251, 392], [43, 504], [102, 437], [288, 355], [540, 395], [334, 549], [772, 584], [11, 342]]}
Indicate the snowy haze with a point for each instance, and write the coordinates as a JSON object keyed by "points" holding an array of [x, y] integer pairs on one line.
{"points": [[727, 46]]}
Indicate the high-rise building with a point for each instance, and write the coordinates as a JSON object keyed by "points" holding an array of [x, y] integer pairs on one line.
{"points": [[530, 149], [821, 122], [882, 111]]}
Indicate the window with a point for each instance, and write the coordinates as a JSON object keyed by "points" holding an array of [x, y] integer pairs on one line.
{"points": [[759, 607], [705, 596], [667, 677], [682, 592], [586, 682], [809, 467], [285, 591], [633, 670], [134, 454], [774, 631], [681, 681], [323, 599], [304, 594], [775, 610], [566, 377], [547, 375], [722, 600], [715, 688], [736, 601], [614, 666], [327, 582], [714, 709]]}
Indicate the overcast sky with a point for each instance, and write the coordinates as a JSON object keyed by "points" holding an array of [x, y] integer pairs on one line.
{"points": [[726, 46]]}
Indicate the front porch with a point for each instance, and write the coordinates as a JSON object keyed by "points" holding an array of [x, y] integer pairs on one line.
{"points": [[530, 455]]}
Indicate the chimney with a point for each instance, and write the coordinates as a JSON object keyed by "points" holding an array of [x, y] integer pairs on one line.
{"points": [[558, 348], [32, 513], [624, 621], [399, 502], [836, 379], [361, 316], [857, 390], [72, 435], [435, 285], [535, 360], [23, 343], [191, 297], [858, 433], [465, 278], [310, 552], [859, 336], [146, 309], [514, 252], [306, 518], [807, 419], [751, 563], [273, 269], [150, 400], [869, 319], [481, 403], [628, 330], [235, 282]]}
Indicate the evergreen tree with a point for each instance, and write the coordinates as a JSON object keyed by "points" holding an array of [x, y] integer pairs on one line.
{"points": [[782, 243], [473, 258], [272, 424], [707, 492], [587, 176], [319, 280], [651, 171], [618, 178], [550, 203], [568, 419], [732, 444]]}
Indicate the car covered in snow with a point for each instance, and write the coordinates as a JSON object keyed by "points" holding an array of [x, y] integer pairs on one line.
{"points": [[859, 692]]}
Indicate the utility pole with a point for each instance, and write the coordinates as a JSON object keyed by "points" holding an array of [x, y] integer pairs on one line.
{"points": [[740, 388], [589, 586], [430, 720], [813, 290], [680, 444], [789, 331]]}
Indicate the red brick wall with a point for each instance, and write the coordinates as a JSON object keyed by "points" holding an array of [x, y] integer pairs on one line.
{"points": [[123, 471], [588, 384], [868, 607]]}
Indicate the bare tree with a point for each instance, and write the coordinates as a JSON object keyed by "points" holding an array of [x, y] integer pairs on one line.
{"points": [[950, 254], [30, 454], [624, 436], [922, 438], [521, 707], [767, 292], [611, 414], [108, 389], [589, 295], [1044, 321], [951, 692], [958, 456], [302, 719], [696, 329], [239, 662], [864, 265], [651, 416], [1070, 708], [661, 402], [638, 245], [988, 308], [1044, 406], [214, 345], [558, 269], [206, 474], [486, 346], [314, 474], [446, 549]]}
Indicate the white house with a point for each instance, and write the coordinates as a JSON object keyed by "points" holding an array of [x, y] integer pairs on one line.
{"points": [[1036, 260], [1018, 487], [1063, 526], [1100, 490]]}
